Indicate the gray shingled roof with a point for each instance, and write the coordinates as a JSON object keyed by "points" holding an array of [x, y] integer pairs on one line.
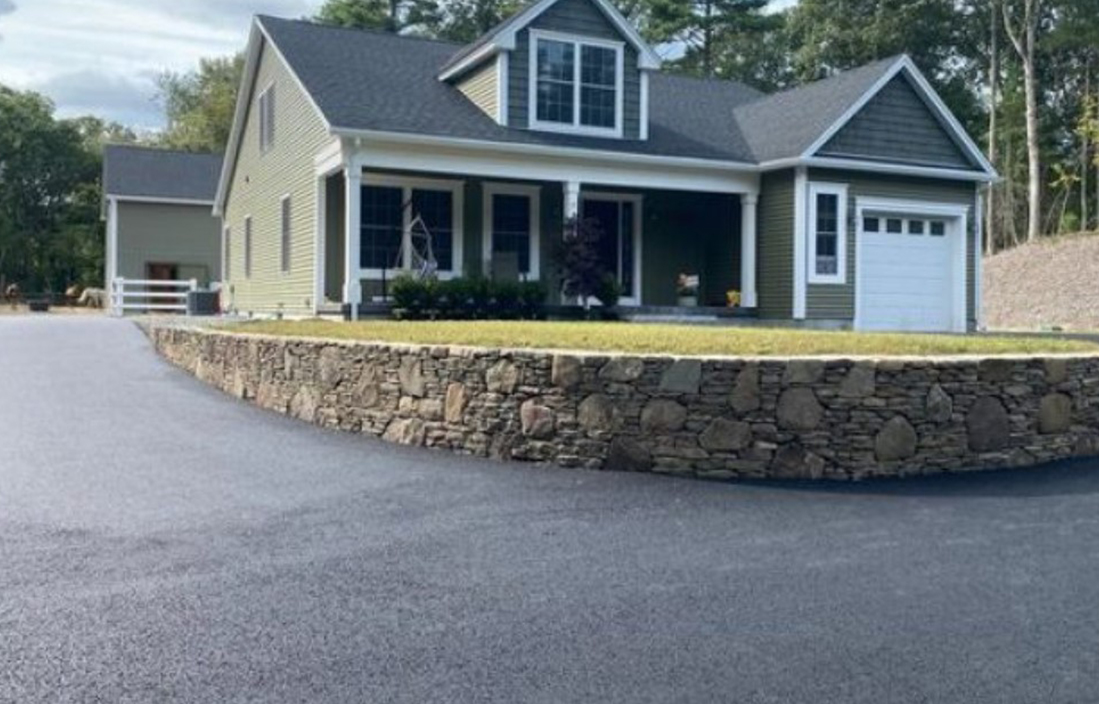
{"points": [[378, 81], [784, 125], [365, 80], [141, 172]]}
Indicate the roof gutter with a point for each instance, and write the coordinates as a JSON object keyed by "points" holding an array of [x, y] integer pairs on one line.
{"points": [[544, 150], [880, 168]]}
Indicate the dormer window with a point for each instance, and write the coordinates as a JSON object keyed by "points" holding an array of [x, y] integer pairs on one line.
{"points": [[576, 84]]}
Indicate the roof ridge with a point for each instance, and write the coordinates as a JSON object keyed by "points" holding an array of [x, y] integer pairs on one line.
{"points": [[359, 30], [165, 150], [844, 74]]}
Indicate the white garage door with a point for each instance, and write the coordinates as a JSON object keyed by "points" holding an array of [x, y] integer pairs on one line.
{"points": [[909, 272]]}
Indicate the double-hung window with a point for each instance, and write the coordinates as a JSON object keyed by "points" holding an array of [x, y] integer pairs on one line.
{"points": [[576, 84], [827, 233], [511, 235]]}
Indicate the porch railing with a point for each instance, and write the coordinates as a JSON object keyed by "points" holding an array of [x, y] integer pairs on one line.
{"points": [[142, 295]]}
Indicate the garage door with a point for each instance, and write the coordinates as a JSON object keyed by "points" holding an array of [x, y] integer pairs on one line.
{"points": [[908, 272]]}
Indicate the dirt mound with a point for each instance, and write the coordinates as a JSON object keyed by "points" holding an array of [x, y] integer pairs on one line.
{"points": [[1052, 283]]}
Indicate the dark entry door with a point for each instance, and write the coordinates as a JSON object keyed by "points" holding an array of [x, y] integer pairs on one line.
{"points": [[161, 272], [617, 220]]}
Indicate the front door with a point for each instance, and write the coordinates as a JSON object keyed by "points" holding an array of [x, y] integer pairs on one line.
{"points": [[619, 220]]}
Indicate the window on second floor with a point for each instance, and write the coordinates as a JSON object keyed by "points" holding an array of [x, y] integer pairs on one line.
{"points": [[267, 119], [576, 84]]}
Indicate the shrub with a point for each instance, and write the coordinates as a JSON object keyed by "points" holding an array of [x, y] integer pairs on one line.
{"points": [[609, 291], [413, 299], [471, 298]]}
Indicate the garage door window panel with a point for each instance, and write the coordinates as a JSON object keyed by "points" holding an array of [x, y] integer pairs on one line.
{"points": [[827, 233]]}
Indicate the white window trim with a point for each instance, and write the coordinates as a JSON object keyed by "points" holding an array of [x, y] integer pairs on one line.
{"points": [[503, 85], [286, 243], [510, 189], [633, 298], [840, 191], [407, 185], [265, 146], [957, 227], [575, 128]]}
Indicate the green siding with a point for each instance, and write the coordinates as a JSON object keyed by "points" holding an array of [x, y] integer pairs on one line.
{"points": [[898, 126], [188, 236], [257, 186], [335, 225], [691, 233], [775, 245], [837, 302], [578, 17]]}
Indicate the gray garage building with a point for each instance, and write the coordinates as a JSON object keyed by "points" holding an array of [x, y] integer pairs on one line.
{"points": [[158, 205]]}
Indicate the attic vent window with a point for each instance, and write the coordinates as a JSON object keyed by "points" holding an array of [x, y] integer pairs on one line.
{"points": [[576, 85], [267, 120]]}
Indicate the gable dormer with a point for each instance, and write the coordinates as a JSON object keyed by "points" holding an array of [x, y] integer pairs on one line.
{"points": [[565, 66]]}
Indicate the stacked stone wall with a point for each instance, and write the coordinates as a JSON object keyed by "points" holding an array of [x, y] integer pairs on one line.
{"points": [[714, 417]]}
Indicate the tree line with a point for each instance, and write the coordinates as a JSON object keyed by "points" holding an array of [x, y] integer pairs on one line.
{"points": [[1021, 75]]}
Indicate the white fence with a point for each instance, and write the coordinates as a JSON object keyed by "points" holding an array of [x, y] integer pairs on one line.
{"points": [[150, 296]]}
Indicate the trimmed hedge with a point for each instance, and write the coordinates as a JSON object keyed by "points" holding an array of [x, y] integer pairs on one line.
{"points": [[473, 298]]}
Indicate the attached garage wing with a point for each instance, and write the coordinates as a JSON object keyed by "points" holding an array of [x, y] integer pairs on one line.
{"points": [[911, 266]]}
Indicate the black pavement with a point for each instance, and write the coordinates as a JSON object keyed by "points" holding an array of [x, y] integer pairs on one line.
{"points": [[161, 542]]}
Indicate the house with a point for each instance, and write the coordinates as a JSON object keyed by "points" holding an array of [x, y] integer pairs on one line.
{"points": [[158, 206], [851, 202]]}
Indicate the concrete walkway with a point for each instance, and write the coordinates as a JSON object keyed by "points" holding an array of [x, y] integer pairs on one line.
{"points": [[160, 542]]}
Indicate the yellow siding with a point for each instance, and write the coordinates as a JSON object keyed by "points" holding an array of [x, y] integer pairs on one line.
{"points": [[256, 189], [480, 87]]}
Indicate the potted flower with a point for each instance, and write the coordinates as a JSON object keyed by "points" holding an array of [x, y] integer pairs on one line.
{"points": [[733, 298], [687, 290]]}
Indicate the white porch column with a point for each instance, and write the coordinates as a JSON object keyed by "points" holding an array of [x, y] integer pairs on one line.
{"points": [[320, 241], [352, 286], [748, 237], [572, 199]]}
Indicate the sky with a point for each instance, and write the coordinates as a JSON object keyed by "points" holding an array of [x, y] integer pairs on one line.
{"points": [[102, 57]]}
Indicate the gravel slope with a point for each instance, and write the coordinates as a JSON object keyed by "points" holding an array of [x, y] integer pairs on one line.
{"points": [[1038, 286]]}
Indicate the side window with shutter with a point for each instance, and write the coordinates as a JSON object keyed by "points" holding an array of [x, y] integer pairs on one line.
{"points": [[267, 120]]}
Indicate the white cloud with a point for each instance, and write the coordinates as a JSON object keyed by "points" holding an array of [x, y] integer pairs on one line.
{"points": [[102, 57]]}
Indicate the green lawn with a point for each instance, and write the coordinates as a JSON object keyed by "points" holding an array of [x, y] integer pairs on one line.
{"points": [[660, 339]]}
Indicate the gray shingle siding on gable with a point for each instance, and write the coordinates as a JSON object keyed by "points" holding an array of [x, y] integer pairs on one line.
{"points": [[897, 126], [579, 17]]}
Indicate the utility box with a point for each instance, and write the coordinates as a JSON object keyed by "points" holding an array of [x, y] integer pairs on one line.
{"points": [[202, 303]]}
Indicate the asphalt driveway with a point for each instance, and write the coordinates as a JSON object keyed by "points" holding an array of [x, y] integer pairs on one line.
{"points": [[160, 542]]}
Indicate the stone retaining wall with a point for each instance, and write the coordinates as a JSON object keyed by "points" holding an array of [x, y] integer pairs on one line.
{"points": [[720, 417]]}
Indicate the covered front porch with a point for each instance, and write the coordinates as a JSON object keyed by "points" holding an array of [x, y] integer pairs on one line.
{"points": [[652, 231]]}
